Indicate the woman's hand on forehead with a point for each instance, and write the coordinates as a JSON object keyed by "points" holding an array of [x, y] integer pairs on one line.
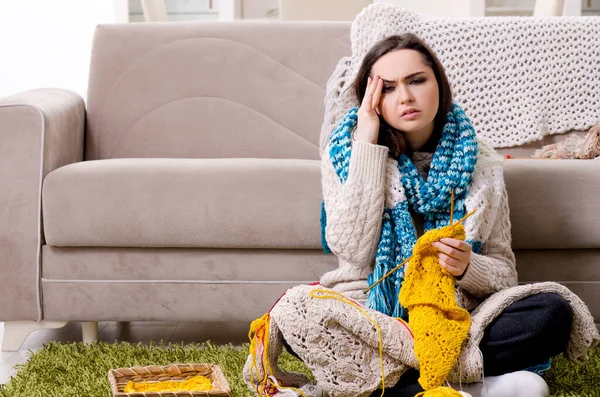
{"points": [[367, 129]]}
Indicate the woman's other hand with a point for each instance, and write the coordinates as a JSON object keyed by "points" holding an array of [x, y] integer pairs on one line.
{"points": [[367, 129], [454, 255]]}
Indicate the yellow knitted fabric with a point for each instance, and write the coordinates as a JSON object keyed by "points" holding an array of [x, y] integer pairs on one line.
{"points": [[438, 324], [259, 344], [196, 383]]}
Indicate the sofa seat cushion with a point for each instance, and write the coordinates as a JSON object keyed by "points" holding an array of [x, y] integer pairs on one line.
{"points": [[553, 203], [211, 203]]}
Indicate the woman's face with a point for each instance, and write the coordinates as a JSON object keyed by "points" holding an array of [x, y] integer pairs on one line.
{"points": [[410, 95]]}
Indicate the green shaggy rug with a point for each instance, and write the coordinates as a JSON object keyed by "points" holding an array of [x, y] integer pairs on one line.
{"points": [[78, 370]]}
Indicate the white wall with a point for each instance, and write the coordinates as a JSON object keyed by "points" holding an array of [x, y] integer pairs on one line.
{"points": [[47, 43], [178, 10], [257, 9]]}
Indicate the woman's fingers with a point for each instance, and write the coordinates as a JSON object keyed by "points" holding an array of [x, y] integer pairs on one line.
{"points": [[454, 266], [372, 94], [449, 250], [458, 244], [448, 260], [368, 123], [377, 94], [454, 255], [368, 98], [452, 269]]}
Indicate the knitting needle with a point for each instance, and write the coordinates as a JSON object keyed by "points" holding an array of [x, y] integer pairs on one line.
{"points": [[409, 258], [388, 273]]}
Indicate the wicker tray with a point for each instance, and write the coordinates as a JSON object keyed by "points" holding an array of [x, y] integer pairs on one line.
{"points": [[119, 377]]}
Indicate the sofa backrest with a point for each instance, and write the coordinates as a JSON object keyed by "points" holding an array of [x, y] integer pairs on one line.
{"points": [[210, 89]]}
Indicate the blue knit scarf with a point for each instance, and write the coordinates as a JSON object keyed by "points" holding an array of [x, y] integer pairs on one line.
{"points": [[451, 168]]}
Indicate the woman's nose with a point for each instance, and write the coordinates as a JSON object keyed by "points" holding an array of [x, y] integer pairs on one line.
{"points": [[405, 95]]}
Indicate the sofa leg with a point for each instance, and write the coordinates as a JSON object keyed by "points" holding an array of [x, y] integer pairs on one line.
{"points": [[15, 332], [89, 330]]}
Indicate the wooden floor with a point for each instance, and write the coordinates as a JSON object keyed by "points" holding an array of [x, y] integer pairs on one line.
{"points": [[169, 332]]}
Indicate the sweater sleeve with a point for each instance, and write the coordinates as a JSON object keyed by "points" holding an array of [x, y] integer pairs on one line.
{"points": [[494, 268], [354, 208]]}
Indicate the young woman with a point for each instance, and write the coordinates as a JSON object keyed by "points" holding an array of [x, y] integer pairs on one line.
{"points": [[402, 125], [390, 170]]}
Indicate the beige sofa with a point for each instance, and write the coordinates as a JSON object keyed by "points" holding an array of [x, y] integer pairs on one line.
{"points": [[187, 188]]}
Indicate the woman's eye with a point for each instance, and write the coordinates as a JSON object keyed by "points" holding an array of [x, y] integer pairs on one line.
{"points": [[417, 81], [387, 88]]}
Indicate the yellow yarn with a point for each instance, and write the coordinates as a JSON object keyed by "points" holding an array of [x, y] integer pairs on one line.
{"points": [[259, 338], [438, 324], [197, 383]]}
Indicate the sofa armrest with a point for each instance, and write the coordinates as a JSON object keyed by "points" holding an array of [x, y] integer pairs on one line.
{"points": [[40, 130]]}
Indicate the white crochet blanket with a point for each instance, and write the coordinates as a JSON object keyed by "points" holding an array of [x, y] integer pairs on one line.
{"points": [[518, 78]]}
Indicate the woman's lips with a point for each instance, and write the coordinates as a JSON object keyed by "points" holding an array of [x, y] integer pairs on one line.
{"points": [[411, 116]]}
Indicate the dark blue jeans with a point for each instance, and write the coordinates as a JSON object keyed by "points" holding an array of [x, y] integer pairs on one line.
{"points": [[527, 333]]}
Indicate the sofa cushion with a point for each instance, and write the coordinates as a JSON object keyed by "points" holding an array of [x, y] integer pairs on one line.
{"points": [[553, 203], [207, 266], [268, 203], [255, 88], [213, 203]]}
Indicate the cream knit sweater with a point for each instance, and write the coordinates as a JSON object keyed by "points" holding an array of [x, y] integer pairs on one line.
{"points": [[354, 222]]}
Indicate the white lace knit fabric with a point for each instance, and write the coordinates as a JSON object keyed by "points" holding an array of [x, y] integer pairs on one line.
{"points": [[341, 347], [517, 78]]}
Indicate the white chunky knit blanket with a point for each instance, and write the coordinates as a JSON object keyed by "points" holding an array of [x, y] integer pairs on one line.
{"points": [[517, 78]]}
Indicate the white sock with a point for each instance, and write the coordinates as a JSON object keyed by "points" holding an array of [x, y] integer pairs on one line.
{"points": [[513, 384]]}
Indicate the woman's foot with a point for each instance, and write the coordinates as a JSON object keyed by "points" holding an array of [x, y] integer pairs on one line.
{"points": [[513, 384]]}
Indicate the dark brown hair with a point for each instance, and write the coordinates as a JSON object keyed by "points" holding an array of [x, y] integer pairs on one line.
{"points": [[389, 136]]}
